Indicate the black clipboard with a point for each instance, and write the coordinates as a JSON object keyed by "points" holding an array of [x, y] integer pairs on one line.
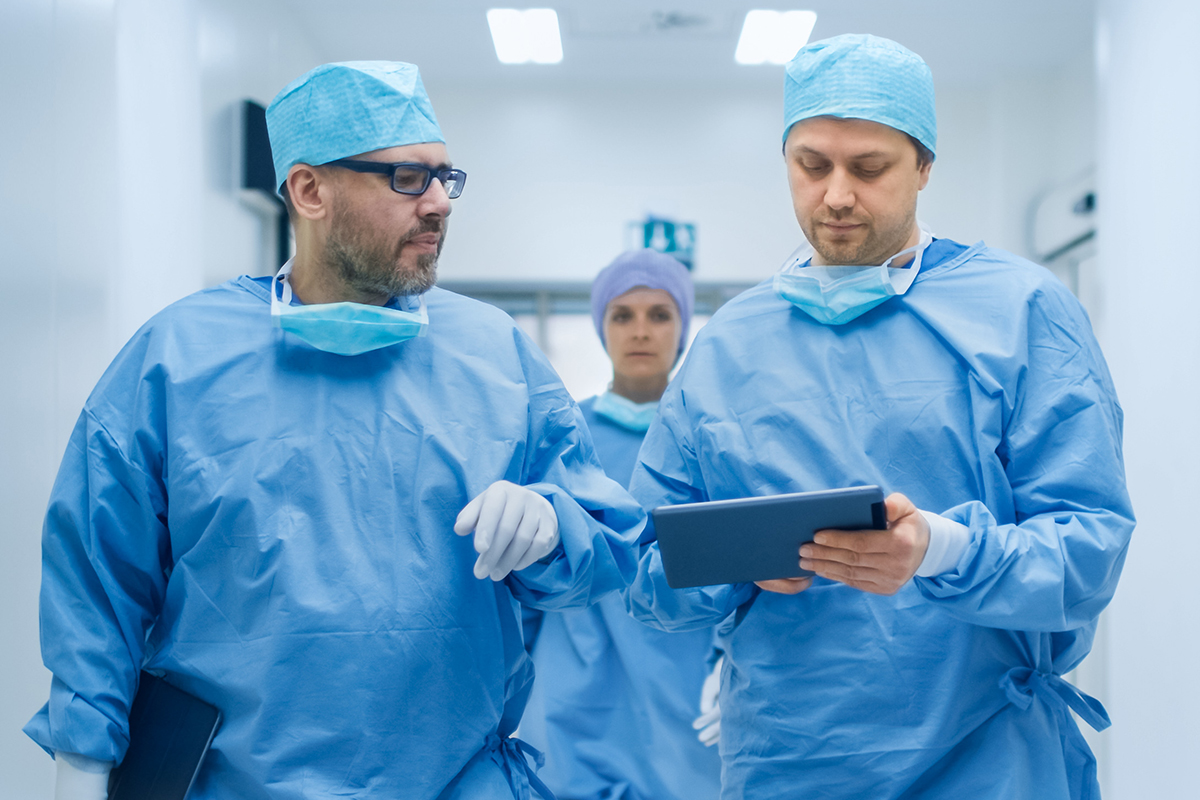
{"points": [[756, 538], [169, 733]]}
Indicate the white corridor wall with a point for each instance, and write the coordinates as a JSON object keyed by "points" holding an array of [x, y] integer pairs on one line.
{"points": [[1149, 68], [102, 147]]}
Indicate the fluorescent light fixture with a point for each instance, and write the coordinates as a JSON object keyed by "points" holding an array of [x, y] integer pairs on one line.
{"points": [[523, 36], [773, 37]]}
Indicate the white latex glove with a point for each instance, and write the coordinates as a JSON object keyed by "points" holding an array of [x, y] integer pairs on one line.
{"points": [[80, 778], [709, 721], [514, 527]]}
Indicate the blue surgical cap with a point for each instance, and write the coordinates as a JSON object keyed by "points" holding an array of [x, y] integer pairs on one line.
{"points": [[341, 110], [859, 76], [649, 269]]}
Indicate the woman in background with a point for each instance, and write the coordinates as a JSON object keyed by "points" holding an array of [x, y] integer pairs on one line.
{"points": [[613, 700]]}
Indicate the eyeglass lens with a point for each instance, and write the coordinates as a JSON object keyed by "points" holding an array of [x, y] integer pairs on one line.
{"points": [[415, 180], [453, 180], [411, 180]]}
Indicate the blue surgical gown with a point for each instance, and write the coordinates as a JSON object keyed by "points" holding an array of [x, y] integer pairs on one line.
{"points": [[981, 394], [614, 699], [270, 526]]}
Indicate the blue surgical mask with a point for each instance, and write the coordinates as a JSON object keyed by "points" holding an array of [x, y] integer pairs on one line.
{"points": [[345, 328], [834, 295], [626, 413]]}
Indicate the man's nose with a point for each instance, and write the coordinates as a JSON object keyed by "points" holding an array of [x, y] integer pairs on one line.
{"points": [[435, 201], [839, 193]]}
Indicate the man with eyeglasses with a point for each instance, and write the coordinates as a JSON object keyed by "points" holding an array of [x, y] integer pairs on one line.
{"points": [[317, 501]]}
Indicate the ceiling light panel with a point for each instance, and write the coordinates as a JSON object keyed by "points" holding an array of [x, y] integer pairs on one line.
{"points": [[773, 37], [523, 36]]}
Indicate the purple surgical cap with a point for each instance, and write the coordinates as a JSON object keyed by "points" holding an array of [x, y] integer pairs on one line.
{"points": [[649, 269]]}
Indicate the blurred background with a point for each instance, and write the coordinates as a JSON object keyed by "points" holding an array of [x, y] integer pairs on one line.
{"points": [[1067, 134]]}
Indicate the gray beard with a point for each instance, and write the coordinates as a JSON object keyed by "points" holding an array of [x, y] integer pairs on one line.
{"points": [[372, 270]]}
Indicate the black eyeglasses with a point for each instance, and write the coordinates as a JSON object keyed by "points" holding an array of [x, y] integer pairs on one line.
{"points": [[409, 178]]}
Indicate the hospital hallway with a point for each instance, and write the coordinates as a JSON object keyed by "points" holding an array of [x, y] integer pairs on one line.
{"points": [[137, 170]]}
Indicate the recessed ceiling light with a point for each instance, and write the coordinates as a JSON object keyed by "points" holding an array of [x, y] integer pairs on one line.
{"points": [[525, 35], [773, 37]]}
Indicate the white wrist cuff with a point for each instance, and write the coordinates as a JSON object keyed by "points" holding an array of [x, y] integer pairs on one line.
{"points": [[83, 763], [80, 778], [948, 541]]}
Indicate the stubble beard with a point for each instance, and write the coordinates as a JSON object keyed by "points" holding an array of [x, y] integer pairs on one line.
{"points": [[874, 249], [373, 269]]}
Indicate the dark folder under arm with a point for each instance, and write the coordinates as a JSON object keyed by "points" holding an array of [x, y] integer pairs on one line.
{"points": [[756, 538], [169, 733]]}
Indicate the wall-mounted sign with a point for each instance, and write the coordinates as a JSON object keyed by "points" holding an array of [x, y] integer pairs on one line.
{"points": [[666, 236]]}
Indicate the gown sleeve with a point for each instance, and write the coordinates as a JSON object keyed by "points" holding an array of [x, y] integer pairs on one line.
{"points": [[668, 473], [105, 556], [1053, 566], [598, 522]]}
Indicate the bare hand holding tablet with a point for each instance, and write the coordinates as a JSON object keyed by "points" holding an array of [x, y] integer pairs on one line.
{"points": [[876, 561], [757, 538]]}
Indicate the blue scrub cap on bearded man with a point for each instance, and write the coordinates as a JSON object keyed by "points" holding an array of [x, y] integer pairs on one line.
{"points": [[648, 269], [341, 110], [859, 76]]}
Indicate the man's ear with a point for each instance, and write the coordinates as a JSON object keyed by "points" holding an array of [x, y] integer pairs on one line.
{"points": [[309, 192], [925, 170]]}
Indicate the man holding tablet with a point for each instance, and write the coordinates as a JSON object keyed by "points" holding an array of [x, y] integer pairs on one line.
{"points": [[924, 659]]}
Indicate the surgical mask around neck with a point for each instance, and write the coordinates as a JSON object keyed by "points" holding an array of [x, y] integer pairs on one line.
{"points": [[345, 328], [622, 411], [835, 295]]}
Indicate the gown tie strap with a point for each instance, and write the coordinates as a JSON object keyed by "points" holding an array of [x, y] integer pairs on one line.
{"points": [[1021, 684], [513, 755]]}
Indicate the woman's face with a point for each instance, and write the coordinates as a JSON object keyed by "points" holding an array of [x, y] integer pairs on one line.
{"points": [[642, 329]]}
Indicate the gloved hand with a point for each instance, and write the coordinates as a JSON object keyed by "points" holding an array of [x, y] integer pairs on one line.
{"points": [[514, 527], [80, 778], [709, 721]]}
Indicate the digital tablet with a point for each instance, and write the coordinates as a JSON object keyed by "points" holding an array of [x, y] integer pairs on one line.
{"points": [[756, 538], [169, 733]]}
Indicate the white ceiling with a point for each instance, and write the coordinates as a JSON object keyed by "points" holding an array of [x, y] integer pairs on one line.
{"points": [[965, 42]]}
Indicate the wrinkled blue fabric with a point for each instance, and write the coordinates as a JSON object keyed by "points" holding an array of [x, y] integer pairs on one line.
{"points": [[980, 394], [270, 526], [614, 699]]}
